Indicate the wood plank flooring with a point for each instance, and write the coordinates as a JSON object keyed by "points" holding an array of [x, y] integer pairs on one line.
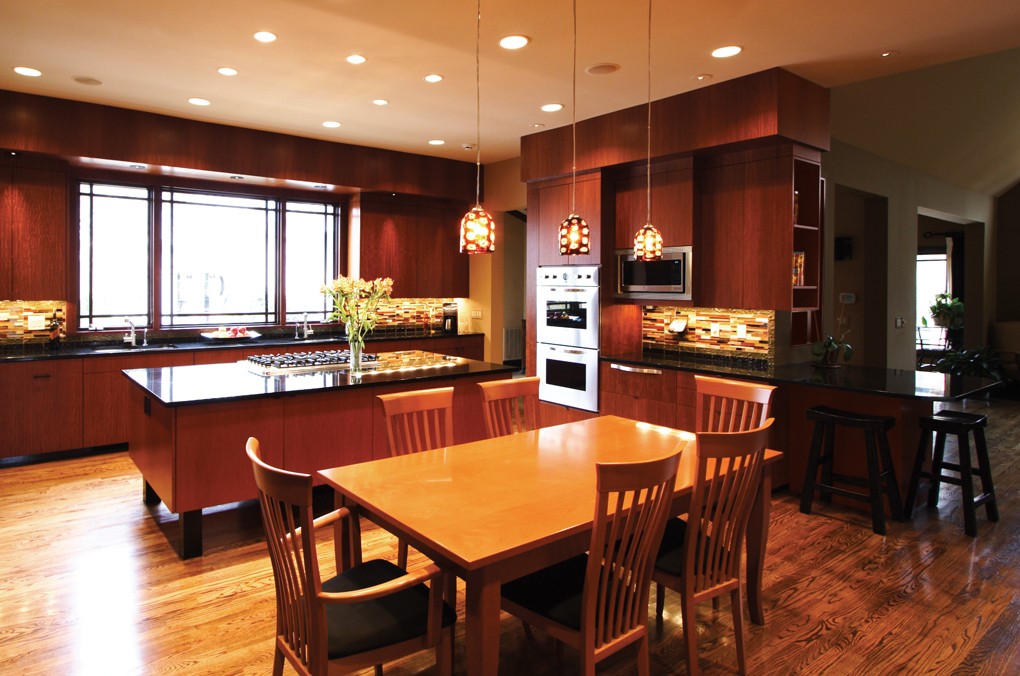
{"points": [[90, 585]]}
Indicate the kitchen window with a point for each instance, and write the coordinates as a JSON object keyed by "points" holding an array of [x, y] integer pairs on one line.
{"points": [[222, 258]]}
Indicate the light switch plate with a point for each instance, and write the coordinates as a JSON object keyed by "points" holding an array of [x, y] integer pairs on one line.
{"points": [[476, 314], [741, 331], [714, 330], [847, 297], [36, 322]]}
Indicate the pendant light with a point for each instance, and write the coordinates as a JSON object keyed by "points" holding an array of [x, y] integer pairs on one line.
{"points": [[477, 228], [575, 236], [647, 240]]}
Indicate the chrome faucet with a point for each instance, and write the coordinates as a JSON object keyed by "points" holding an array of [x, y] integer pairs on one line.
{"points": [[130, 337], [307, 331]]}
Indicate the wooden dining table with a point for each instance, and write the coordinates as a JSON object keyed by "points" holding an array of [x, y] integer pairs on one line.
{"points": [[493, 510]]}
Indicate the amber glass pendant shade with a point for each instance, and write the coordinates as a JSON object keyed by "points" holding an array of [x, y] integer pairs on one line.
{"points": [[647, 243], [477, 232], [574, 236]]}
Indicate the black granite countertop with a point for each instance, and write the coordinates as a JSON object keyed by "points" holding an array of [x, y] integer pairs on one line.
{"points": [[98, 348], [892, 382], [210, 383]]}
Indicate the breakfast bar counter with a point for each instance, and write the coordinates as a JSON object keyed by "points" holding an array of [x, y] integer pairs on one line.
{"points": [[188, 424]]}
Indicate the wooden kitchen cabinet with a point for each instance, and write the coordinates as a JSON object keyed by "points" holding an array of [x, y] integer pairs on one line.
{"points": [[549, 204], [672, 202], [416, 243], [40, 406], [106, 392], [641, 393], [34, 233]]}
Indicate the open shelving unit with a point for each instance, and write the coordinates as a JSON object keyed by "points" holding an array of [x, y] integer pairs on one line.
{"points": [[806, 257]]}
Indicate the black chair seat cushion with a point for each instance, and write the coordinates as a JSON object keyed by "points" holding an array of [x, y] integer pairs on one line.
{"points": [[553, 592], [359, 627], [671, 551]]}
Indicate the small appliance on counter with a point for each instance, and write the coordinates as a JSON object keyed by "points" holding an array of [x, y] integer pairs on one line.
{"points": [[450, 318]]}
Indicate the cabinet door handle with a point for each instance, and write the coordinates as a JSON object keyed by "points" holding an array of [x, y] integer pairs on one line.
{"points": [[40, 376], [636, 369]]}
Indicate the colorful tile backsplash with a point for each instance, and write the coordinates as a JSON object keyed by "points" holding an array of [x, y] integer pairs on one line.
{"points": [[411, 312], [24, 321], [727, 332]]}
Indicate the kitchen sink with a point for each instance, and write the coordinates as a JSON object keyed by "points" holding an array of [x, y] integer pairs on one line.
{"points": [[137, 348]]}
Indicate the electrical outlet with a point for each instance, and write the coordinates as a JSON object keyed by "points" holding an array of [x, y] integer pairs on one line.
{"points": [[714, 329], [741, 331]]}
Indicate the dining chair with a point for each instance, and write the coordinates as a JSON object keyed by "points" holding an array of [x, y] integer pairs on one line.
{"points": [[700, 556], [725, 405], [419, 420], [370, 612], [510, 405], [598, 602]]}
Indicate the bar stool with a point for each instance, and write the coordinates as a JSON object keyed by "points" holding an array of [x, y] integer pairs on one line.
{"points": [[876, 443], [961, 424]]}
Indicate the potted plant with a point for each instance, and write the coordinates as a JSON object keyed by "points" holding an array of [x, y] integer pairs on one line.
{"points": [[946, 311], [830, 349]]}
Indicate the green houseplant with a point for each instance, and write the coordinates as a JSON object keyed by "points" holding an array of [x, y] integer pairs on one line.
{"points": [[946, 311]]}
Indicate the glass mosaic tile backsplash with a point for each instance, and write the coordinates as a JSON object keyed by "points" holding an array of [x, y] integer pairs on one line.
{"points": [[728, 332]]}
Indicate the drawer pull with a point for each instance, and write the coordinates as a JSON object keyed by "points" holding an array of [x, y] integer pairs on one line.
{"points": [[636, 369], [41, 376]]}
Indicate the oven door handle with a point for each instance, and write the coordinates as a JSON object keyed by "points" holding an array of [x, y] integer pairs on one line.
{"points": [[636, 369]]}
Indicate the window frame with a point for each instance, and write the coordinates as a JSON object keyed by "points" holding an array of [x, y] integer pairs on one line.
{"points": [[155, 186]]}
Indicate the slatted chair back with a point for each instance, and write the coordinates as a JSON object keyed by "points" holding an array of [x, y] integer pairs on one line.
{"points": [[725, 405], [419, 420], [510, 405]]}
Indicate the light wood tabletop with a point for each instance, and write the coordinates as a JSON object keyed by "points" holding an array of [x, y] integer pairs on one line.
{"points": [[493, 510]]}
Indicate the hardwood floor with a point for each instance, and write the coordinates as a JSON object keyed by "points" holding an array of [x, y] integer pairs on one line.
{"points": [[90, 585]]}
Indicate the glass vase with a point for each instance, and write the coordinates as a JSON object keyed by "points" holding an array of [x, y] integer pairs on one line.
{"points": [[356, 340]]}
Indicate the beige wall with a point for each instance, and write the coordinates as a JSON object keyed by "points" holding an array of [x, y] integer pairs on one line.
{"points": [[909, 193]]}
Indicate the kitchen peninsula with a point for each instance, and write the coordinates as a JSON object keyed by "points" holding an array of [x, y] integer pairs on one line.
{"points": [[188, 424]]}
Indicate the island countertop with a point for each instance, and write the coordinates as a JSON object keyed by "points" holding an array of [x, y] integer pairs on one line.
{"points": [[209, 383], [928, 385]]}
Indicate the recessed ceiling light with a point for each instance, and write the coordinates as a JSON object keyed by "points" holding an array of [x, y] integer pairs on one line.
{"points": [[433, 77], [602, 68], [436, 142], [537, 125], [265, 36], [228, 71], [195, 101], [87, 81], [889, 53], [331, 124], [356, 59], [514, 41], [27, 72], [552, 107], [380, 102], [701, 77], [725, 52]]}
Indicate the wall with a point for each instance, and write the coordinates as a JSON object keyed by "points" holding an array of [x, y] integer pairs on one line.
{"points": [[1008, 216], [909, 193]]}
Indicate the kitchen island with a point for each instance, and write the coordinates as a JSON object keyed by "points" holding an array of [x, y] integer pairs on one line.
{"points": [[659, 387], [188, 424]]}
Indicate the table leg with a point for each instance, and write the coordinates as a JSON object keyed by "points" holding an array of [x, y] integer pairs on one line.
{"points": [[481, 643], [757, 539]]}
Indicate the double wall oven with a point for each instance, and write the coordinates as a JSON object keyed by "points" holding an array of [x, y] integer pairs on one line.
{"points": [[567, 332]]}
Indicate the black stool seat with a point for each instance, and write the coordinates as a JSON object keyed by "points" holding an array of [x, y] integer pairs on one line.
{"points": [[962, 425], [881, 477]]}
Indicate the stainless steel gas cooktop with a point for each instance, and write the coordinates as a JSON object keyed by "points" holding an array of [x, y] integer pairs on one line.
{"points": [[320, 360]]}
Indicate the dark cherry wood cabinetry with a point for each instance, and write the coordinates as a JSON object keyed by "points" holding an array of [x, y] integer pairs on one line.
{"points": [[416, 243], [548, 204], [672, 197], [33, 233], [638, 392], [40, 406]]}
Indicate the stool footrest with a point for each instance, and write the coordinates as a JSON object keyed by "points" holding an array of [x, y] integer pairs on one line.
{"points": [[845, 492]]}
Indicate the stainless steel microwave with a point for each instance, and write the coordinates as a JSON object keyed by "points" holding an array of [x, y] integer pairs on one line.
{"points": [[668, 278]]}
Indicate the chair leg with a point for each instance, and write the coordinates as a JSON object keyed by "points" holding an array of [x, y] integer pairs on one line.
{"points": [[378, 670], [808, 491], [915, 475], [660, 601], [278, 662], [737, 604], [985, 470], [402, 554], [690, 634], [891, 485], [444, 654], [874, 484], [936, 468], [967, 485], [642, 658]]}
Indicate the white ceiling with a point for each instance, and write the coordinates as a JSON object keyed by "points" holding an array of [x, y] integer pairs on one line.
{"points": [[153, 55]]}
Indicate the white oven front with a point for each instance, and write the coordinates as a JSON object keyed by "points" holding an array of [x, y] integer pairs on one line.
{"points": [[569, 376], [567, 304]]}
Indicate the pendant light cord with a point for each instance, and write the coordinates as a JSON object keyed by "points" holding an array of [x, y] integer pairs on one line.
{"points": [[478, 106], [573, 121], [648, 165]]}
